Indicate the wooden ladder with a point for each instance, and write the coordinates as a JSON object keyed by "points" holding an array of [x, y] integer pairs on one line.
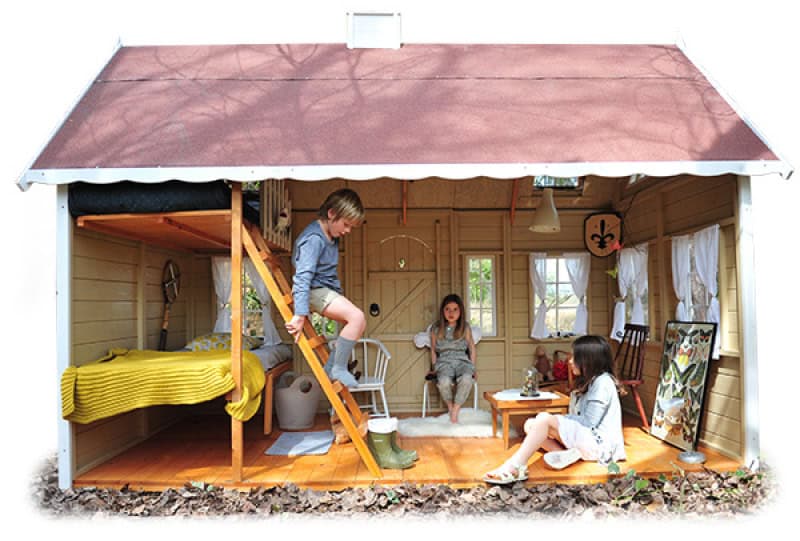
{"points": [[311, 344]]}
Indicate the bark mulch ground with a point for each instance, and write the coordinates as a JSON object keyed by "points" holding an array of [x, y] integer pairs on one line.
{"points": [[706, 493]]}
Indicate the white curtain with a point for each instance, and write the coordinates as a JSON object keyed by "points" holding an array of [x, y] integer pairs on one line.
{"points": [[639, 285], [681, 281], [578, 265], [632, 281], [271, 336], [536, 268], [221, 273], [706, 255]]}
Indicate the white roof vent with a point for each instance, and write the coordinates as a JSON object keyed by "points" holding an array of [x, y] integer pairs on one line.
{"points": [[373, 30]]}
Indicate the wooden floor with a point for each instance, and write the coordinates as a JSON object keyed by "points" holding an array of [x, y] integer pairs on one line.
{"points": [[198, 449]]}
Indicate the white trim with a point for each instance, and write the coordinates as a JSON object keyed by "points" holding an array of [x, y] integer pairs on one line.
{"points": [[409, 171], [466, 298], [66, 433], [729, 99], [24, 186], [748, 346]]}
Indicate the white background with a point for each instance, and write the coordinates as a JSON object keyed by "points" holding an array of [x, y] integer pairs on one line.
{"points": [[49, 52]]}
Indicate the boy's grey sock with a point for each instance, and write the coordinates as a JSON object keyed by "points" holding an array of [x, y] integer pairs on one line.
{"points": [[341, 355], [331, 355]]}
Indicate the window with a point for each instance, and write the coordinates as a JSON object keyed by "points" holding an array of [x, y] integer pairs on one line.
{"points": [[645, 308], [252, 314], [700, 297], [480, 303], [546, 181], [561, 301], [328, 328], [636, 177]]}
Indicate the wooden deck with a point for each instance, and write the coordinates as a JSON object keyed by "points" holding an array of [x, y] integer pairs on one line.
{"points": [[198, 449]]}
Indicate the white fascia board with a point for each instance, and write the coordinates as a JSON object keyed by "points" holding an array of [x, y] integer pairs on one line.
{"points": [[401, 171], [735, 106]]}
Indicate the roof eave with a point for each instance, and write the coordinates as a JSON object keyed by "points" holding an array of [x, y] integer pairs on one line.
{"points": [[402, 171]]}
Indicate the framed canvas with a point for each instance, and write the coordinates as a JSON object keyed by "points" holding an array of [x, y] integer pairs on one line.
{"points": [[688, 346]]}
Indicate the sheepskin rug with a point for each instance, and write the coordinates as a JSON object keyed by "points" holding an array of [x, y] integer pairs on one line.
{"points": [[472, 423]]}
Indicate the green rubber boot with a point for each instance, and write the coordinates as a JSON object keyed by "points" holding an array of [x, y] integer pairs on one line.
{"points": [[406, 454], [381, 447]]}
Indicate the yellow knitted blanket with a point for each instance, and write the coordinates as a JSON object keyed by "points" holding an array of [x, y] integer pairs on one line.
{"points": [[126, 379]]}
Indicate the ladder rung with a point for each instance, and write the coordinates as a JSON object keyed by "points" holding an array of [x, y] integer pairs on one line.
{"points": [[317, 341], [337, 386]]}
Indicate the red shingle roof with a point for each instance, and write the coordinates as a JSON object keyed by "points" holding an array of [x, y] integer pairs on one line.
{"points": [[469, 107]]}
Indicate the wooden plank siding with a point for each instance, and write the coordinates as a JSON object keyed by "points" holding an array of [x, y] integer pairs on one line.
{"points": [[686, 205], [106, 299]]}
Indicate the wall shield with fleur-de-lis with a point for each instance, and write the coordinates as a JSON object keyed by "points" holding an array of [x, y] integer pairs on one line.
{"points": [[602, 233]]}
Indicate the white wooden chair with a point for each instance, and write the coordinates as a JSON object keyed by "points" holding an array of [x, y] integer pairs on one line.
{"points": [[374, 353], [423, 339]]}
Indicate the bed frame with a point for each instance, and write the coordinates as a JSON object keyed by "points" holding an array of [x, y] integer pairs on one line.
{"points": [[269, 386]]}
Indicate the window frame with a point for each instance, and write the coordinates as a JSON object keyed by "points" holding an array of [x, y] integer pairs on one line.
{"points": [[467, 299], [551, 181], [557, 333]]}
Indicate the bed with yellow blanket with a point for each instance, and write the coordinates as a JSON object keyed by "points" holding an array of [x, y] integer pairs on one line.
{"points": [[125, 380]]}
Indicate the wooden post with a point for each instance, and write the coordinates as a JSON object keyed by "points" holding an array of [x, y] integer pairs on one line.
{"points": [[514, 196], [748, 344], [405, 202], [364, 269], [237, 432], [64, 233], [664, 289], [438, 231], [507, 299]]}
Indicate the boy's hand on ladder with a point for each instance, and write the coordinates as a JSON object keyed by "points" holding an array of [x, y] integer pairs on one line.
{"points": [[295, 326]]}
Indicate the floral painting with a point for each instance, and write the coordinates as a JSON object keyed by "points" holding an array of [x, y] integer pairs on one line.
{"points": [[682, 380]]}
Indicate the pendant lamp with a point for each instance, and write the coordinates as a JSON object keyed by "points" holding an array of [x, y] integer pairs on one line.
{"points": [[545, 220]]}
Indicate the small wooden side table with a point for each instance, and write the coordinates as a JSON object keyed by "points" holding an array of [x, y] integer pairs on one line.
{"points": [[507, 408]]}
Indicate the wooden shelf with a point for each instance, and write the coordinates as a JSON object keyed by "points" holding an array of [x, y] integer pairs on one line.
{"points": [[198, 231]]}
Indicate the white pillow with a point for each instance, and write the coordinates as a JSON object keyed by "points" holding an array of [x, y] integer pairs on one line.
{"points": [[423, 339], [220, 341]]}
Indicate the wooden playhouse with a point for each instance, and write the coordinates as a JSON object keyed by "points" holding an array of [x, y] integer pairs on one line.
{"points": [[449, 147]]}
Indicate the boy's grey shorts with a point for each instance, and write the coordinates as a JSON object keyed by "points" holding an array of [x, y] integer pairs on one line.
{"points": [[320, 297]]}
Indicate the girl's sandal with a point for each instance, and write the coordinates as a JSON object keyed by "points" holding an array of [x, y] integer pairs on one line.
{"points": [[506, 474]]}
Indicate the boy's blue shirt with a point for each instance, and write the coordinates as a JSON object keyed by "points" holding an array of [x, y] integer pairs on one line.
{"points": [[315, 260]]}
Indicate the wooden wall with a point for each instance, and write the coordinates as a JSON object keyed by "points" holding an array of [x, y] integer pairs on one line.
{"points": [[117, 303], [117, 298], [473, 219], [655, 212]]}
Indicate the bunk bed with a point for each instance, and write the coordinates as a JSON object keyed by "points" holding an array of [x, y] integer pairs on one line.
{"points": [[170, 216]]}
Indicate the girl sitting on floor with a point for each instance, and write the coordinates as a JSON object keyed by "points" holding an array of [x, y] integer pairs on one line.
{"points": [[592, 430]]}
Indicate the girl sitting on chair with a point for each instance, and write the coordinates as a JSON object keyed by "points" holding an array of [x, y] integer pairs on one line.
{"points": [[453, 355]]}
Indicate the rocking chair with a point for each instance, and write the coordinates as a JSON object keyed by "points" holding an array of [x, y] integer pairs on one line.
{"points": [[629, 362]]}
